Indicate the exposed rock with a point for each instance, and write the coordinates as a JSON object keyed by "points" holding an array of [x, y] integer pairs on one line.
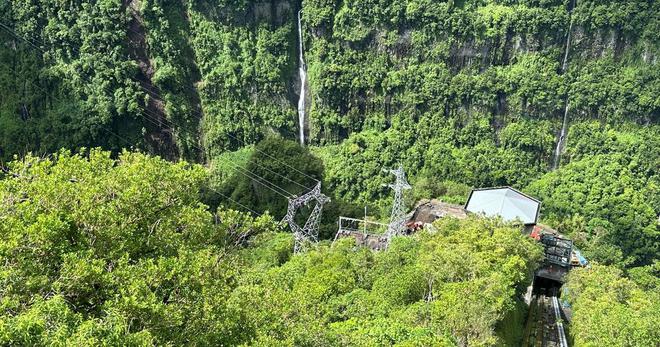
{"points": [[427, 211], [275, 12]]}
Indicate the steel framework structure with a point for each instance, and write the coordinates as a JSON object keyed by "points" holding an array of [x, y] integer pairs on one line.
{"points": [[310, 231], [398, 216], [364, 226]]}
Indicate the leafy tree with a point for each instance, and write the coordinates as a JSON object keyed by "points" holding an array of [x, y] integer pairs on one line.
{"points": [[341, 294], [274, 168], [610, 309], [606, 197], [102, 251]]}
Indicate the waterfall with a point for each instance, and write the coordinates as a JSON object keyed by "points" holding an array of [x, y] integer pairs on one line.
{"points": [[303, 81], [562, 137], [564, 125], [568, 40]]}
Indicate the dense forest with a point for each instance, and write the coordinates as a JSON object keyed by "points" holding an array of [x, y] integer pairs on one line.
{"points": [[140, 142], [102, 251]]}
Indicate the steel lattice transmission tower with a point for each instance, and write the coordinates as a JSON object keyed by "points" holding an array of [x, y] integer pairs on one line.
{"points": [[310, 231], [398, 217]]}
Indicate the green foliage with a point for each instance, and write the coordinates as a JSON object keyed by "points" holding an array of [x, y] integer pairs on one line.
{"points": [[646, 277], [228, 164], [606, 198], [372, 65], [250, 177], [71, 80], [102, 251], [462, 94], [245, 71], [412, 294], [468, 156], [609, 309], [127, 66], [474, 92], [378, 61], [167, 35], [273, 163]]}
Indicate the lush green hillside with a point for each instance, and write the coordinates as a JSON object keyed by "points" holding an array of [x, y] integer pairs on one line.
{"points": [[560, 99], [96, 251], [611, 309], [472, 69], [472, 92]]}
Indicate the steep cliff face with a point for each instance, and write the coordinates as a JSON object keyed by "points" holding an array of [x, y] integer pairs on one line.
{"points": [[382, 61], [180, 79], [69, 66], [247, 57], [158, 131], [225, 73]]}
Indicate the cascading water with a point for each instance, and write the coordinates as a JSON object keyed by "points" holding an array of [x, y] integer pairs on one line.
{"points": [[562, 138], [303, 81], [564, 125]]}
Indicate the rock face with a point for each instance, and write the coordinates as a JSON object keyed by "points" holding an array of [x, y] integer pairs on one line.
{"points": [[274, 12], [159, 131], [427, 211], [374, 59], [367, 67]]}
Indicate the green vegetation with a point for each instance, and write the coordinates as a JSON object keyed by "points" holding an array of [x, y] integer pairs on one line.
{"points": [[274, 163], [102, 251], [608, 197], [612, 310], [122, 247], [421, 68], [137, 69], [249, 177], [434, 289], [62, 96]]}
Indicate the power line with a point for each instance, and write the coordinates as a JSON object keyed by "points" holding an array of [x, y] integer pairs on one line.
{"points": [[152, 119], [199, 116], [266, 183], [228, 134], [211, 189], [126, 140]]}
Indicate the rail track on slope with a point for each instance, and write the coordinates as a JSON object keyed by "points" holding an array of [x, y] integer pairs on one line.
{"points": [[544, 327]]}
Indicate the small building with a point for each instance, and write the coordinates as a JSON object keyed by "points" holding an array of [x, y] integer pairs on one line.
{"points": [[505, 202]]}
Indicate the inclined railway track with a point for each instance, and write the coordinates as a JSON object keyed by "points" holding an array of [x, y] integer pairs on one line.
{"points": [[544, 327]]}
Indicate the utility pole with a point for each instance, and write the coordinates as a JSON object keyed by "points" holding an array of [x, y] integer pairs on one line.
{"points": [[397, 219], [310, 231]]}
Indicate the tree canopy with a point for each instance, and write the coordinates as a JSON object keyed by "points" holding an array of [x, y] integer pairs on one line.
{"points": [[98, 250], [557, 98], [610, 309]]}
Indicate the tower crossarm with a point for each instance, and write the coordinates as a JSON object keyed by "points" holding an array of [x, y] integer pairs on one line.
{"points": [[309, 232]]}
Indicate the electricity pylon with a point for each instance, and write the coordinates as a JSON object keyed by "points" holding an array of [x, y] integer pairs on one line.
{"points": [[310, 231], [398, 217]]}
